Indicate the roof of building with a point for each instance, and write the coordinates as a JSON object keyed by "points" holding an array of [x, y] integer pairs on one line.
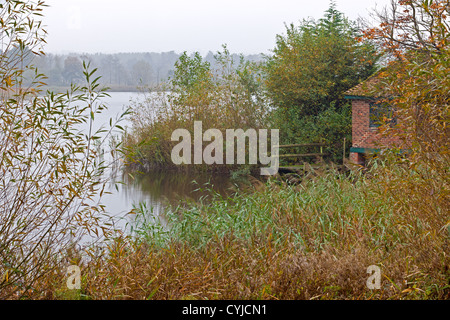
{"points": [[366, 89]]}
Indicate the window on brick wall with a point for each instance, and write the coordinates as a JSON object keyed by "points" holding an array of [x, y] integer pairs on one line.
{"points": [[381, 113]]}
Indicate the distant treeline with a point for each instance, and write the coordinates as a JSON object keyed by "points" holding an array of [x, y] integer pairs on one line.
{"points": [[119, 71]]}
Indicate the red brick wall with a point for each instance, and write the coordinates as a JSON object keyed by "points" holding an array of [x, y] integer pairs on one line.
{"points": [[362, 135], [357, 158]]}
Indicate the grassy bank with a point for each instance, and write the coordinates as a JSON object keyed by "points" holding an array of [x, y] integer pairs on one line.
{"points": [[309, 241]]}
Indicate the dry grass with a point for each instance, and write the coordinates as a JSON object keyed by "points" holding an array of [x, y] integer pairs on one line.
{"points": [[311, 241]]}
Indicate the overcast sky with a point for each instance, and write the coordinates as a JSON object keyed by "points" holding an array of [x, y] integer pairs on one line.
{"points": [[246, 26]]}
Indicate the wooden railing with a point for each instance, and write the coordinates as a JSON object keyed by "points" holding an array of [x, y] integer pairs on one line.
{"points": [[320, 154], [301, 155]]}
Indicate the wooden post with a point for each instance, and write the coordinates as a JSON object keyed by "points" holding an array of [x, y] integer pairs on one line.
{"points": [[343, 153], [321, 151]]}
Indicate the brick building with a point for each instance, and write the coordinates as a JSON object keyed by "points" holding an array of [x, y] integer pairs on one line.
{"points": [[366, 115]]}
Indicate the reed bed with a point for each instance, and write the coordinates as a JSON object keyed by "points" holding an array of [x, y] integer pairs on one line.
{"points": [[314, 240]]}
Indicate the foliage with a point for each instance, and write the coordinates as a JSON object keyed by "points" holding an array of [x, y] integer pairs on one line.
{"points": [[333, 127], [415, 37], [416, 82], [311, 68], [50, 172], [411, 25], [226, 97]]}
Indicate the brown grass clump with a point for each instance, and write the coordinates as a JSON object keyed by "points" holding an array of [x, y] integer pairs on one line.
{"points": [[232, 271], [315, 240], [312, 241]]}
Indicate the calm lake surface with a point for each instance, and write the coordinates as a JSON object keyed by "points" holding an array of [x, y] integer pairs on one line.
{"points": [[156, 189]]}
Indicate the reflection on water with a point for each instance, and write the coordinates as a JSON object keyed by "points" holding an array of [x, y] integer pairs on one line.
{"points": [[171, 186], [158, 189]]}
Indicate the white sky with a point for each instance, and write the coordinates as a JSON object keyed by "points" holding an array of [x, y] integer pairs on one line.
{"points": [[246, 26]]}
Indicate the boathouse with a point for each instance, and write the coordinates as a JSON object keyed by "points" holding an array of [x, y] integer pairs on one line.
{"points": [[367, 112]]}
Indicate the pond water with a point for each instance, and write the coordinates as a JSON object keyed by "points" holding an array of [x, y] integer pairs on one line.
{"points": [[157, 189]]}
